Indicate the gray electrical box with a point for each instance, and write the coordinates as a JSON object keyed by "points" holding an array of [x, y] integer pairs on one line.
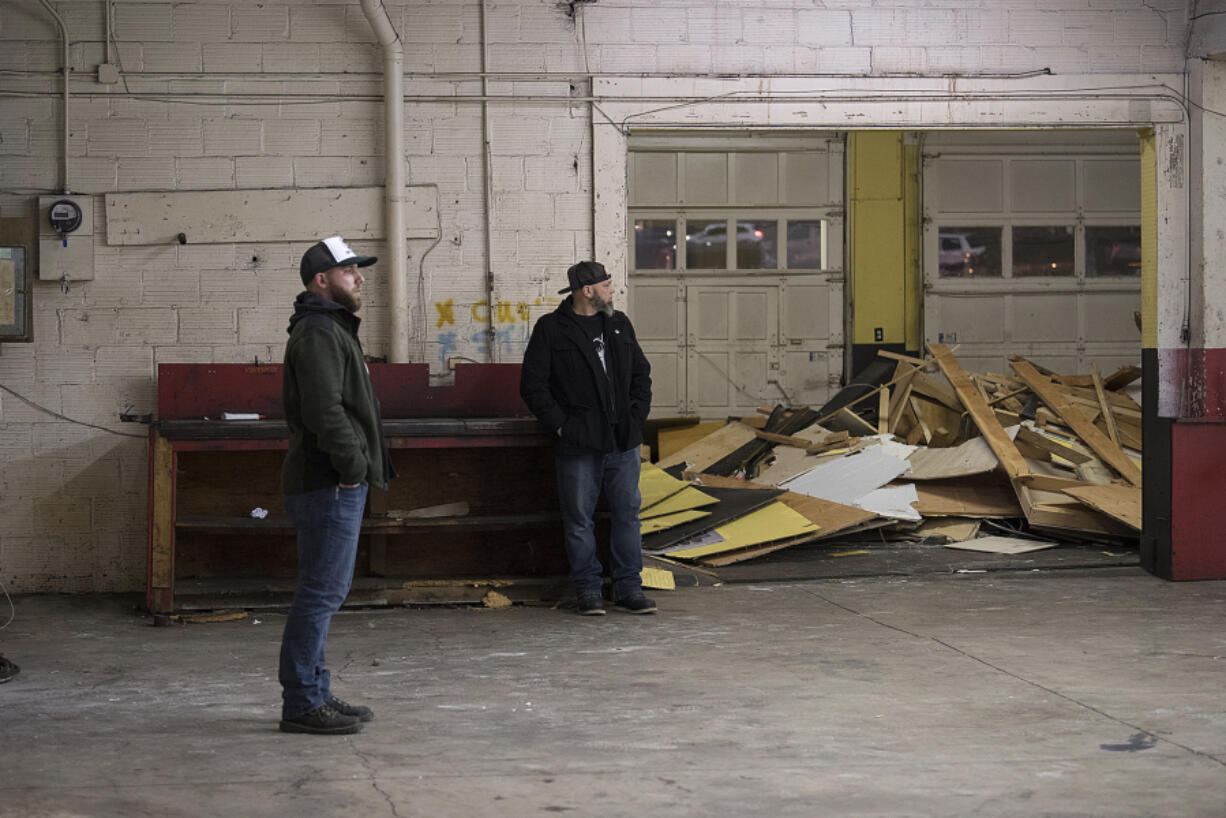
{"points": [[65, 238]]}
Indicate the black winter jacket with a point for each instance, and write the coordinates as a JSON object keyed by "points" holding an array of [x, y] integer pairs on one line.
{"points": [[336, 434], [564, 385]]}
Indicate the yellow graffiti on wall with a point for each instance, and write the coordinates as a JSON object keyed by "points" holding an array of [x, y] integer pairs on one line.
{"points": [[505, 312], [446, 313]]}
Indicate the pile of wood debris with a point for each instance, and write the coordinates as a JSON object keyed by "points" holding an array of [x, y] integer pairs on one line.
{"points": [[951, 456]]}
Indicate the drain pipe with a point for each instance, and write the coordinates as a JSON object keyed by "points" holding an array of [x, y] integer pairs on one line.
{"points": [[59, 21], [393, 96], [491, 335]]}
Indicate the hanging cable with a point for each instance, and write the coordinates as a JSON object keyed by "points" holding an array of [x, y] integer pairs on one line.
{"points": [[54, 414]]}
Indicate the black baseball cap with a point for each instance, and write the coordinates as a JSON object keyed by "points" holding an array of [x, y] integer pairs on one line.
{"points": [[583, 274], [329, 253]]}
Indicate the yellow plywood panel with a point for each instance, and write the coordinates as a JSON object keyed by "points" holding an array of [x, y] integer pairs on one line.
{"points": [[675, 439], [683, 500], [654, 524], [656, 485], [658, 579], [775, 521]]}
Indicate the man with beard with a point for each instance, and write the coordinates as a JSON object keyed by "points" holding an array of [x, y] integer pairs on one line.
{"points": [[336, 452], [587, 381]]}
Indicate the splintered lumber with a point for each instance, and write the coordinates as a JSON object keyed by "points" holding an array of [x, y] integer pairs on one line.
{"points": [[833, 440], [702, 453], [746, 458], [1039, 440], [930, 387], [898, 400], [786, 439], [967, 459], [1038, 512], [1122, 377], [822, 420], [1118, 502], [1112, 432], [919, 419], [1099, 443], [977, 498], [883, 412], [1001, 545], [906, 359], [1104, 405], [850, 422], [982, 415]]}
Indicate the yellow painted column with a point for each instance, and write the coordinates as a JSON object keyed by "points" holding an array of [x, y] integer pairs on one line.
{"points": [[883, 217]]}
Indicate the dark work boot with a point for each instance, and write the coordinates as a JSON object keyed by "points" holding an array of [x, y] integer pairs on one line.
{"points": [[347, 709], [322, 721], [636, 604], [591, 605]]}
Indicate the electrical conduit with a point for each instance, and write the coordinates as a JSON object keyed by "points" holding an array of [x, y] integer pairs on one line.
{"points": [[59, 21], [393, 96]]}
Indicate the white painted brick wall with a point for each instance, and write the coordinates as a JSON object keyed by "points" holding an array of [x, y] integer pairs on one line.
{"points": [[76, 519]]}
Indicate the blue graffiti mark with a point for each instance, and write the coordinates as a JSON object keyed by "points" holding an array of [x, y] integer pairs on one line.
{"points": [[509, 342], [446, 345]]}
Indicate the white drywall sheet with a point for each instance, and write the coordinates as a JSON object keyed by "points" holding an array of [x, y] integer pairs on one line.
{"points": [[849, 478], [223, 216]]}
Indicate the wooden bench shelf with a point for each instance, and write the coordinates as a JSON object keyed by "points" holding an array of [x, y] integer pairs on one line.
{"points": [[214, 524], [206, 476]]}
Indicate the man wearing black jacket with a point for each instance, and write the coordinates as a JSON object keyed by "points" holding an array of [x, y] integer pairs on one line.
{"points": [[336, 452], [587, 381]]}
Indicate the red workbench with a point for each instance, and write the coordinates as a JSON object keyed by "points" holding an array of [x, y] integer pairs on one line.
{"points": [[471, 442]]}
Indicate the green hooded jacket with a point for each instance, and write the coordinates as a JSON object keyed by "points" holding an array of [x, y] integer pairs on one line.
{"points": [[336, 435]]}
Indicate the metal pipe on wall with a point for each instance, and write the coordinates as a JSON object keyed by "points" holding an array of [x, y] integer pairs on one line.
{"points": [[487, 158], [59, 21], [393, 95]]}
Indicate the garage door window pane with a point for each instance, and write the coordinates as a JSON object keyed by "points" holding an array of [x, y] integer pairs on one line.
{"points": [[969, 251], [757, 245], [706, 245], [655, 244], [1043, 251], [805, 245], [1113, 251]]}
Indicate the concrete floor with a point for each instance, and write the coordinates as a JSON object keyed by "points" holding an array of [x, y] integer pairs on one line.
{"points": [[1075, 692]]}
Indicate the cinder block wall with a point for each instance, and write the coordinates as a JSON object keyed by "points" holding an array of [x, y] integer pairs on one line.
{"points": [[73, 516]]}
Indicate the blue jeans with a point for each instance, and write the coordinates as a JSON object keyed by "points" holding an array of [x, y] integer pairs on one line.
{"points": [[580, 479], [328, 522]]}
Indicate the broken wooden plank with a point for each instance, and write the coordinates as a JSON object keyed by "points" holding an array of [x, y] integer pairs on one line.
{"points": [[786, 440], [1119, 502], [930, 387], [1104, 405], [1122, 377], [968, 458], [712, 448], [898, 400], [977, 498], [907, 359], [1099, 443], [1042, 441], [919, 418], [980, 412], [883, 412], [1002, 545]]}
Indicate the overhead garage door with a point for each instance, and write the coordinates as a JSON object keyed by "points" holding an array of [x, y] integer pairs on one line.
{"points": [[1032, 246], [736, 286]]}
